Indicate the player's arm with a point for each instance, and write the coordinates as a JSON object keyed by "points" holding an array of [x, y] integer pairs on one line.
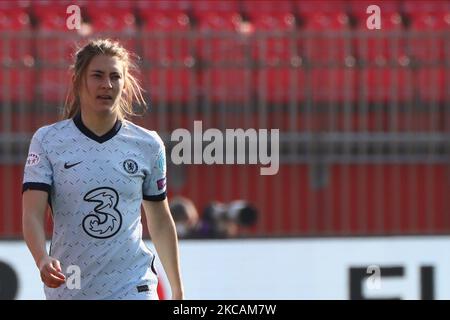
{"points": [[162, 230], [34, 206]]}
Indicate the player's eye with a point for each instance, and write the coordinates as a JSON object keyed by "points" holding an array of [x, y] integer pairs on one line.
{"points": [[116, 77], [97, 75]]}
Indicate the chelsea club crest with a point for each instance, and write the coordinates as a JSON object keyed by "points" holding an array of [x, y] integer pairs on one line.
{"points": [[130, 166]]}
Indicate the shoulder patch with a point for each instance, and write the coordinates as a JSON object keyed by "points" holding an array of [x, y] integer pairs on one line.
{"points": [[161, 183], [32, 159]]}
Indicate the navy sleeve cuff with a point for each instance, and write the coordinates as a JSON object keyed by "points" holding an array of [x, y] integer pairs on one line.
{"points": [[36, 186], [159, 197]]}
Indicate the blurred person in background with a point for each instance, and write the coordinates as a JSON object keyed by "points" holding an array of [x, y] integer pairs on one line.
{"points": [[185, 215], [96, 169], [221, 221], [218, 220]]}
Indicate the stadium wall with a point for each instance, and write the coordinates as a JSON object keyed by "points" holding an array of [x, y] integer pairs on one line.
{"points": [[357, 199]]}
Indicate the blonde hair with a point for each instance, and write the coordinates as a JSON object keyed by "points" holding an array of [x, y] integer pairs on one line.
{"points": [[132, 90]]}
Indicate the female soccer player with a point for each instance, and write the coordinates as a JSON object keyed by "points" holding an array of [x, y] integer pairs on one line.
{"points": [[95, 168]]}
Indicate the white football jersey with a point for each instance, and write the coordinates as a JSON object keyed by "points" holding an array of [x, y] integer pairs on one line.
{"points": [[96, 186]]}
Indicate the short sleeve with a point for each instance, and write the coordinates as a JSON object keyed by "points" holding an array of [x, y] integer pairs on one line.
{"points": [[38, 173], [154, 187]]}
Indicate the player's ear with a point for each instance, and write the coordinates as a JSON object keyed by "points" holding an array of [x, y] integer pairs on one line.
{"points": [[125, 93]]}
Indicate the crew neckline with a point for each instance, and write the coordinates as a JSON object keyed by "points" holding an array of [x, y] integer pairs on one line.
{"points": [[87, 132]]}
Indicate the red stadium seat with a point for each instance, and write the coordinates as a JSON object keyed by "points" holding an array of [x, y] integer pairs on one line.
{"points": [[15, 42], [386, 84], [52, 84], [427, 42], [325, 41], [358, 8], [165, 20], [13, 17], [226, 84], [206, 6], [333, 84], [216, 21], [18, 84], [109, 6], [152, 6], [254, 8], [170, 85], [167, 49], [55, 50], [166, 37], [220, 38], [425, 6], [273, 47], [16, 55], [122, 22], [327, 18], [381, 45], [280, 85], [222, 50], [8, 5], [53, 21], [106, 22], [307, 7], [274, 41], [432, 86], [56, 42], [55, 47], [52, 14], [109, 15]]}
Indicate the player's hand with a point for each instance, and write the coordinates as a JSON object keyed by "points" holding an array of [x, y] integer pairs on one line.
{"points": [[177, 294], [51, 274]]}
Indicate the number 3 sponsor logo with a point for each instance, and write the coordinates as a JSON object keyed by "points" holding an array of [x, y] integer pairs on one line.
{"points": [[106, 220]]}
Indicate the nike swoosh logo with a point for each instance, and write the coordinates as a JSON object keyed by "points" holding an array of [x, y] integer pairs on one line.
{"points": [[68, 166]]}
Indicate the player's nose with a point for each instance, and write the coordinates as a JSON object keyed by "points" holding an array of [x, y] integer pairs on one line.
{"points": [[106, 84]]}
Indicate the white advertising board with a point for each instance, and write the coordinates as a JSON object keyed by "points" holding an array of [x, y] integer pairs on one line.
{"points": [[314, 268]]}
